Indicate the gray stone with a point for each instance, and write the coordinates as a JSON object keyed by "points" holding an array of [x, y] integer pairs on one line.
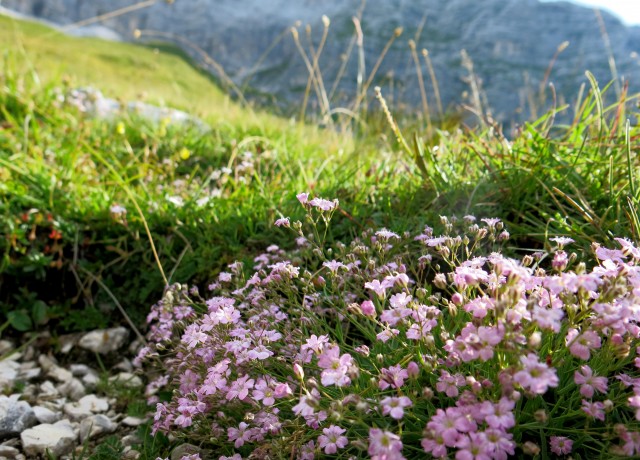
{"points": [[8, 373], [5, 347], [58, 439], [96, 425], [8, 452], [73, 389], [133, 421], [15, 415], [104, 340], [51, 369], [184, 450], [131, 440], [80, 370], [48, 390], [29, 370], [93, 404], [131, 454], [91, 379], [45, 415], [126, 379], [75, 412]]}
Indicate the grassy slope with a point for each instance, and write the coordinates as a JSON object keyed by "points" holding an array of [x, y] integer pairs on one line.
{"points": [[91, 162]]}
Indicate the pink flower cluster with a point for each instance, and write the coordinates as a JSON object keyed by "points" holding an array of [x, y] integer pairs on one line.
{"points": [[437, 341]]}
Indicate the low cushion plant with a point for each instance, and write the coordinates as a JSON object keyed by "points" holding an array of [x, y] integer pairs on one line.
{"points": [[403, 346]]}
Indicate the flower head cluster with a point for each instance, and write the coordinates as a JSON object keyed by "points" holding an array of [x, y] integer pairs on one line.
{"points": [[436, 342]]}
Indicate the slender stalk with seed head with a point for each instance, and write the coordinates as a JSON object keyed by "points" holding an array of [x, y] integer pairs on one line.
{"points": [[423, 92], [434, 81]]}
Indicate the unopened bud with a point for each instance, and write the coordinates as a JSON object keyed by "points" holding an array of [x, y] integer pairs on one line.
{"points": [[325, 20], [530, 448], [541, 416], [298, 371]]}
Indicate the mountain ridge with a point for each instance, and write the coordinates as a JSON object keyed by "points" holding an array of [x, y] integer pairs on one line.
{"points": [[510, 42]]}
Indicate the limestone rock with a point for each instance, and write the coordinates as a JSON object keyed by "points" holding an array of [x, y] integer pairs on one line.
{"points": [[58, 438], [93, 404], [96, 425], [104, 340], [133, 421], [8, 452], [15, 415], [45, 415], [73, 389], [8, 373], [126, 379]]}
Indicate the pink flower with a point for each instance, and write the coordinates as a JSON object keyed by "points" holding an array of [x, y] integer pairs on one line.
{"points": [[303, 198], [581, 345], [589, 382], [263, 392], [282, 222], [368, 308], [536, 376], [307, 404], [334, 266], [394, 406], [240, 388], [384, 445], [331, 440], [473, 446], [335, 366], [392, 377], [377, 287], [449, 384], [593, 409], [561, 445], [450, 425], [240, 435], [499, 415], [324, 205]]}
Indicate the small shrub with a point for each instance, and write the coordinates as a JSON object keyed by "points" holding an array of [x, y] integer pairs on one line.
{"points": [[393, 346]]}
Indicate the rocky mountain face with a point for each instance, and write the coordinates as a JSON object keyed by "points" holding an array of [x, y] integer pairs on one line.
{"points": [[510, 42]]}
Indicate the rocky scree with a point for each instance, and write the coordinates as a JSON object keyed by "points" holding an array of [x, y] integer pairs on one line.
{"points": [[51, 398]]}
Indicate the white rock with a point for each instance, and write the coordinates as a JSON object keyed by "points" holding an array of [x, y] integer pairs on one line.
{"points": [[48, 390], [91, 380], [124, 365], [58, 438], [130, 440], [8, 452], [126, 379], [104, 340], [29, 371], [15, 415], [93, 404], [73, 389], [96, 425], [8, 373], [133, 421], [5, 347], [54, 371], [75, 412], [45, 415], [79, 370]]}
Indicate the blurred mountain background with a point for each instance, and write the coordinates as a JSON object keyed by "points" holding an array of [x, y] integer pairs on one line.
{"points": [[511, 44]]}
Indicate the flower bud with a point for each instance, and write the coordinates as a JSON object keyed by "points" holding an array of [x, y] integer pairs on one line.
{"points": [[440, 281], [457, 298], [413, 369], [535, 339], [298, 371], [541, 416], [530, 448], [368, 308], [427, 393]]}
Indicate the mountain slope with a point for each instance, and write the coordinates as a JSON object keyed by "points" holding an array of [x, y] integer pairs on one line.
{"points": [[511, 43]]}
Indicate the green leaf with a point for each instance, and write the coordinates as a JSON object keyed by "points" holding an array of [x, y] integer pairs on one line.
{"points": [[19, 320], [39, 312]]}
